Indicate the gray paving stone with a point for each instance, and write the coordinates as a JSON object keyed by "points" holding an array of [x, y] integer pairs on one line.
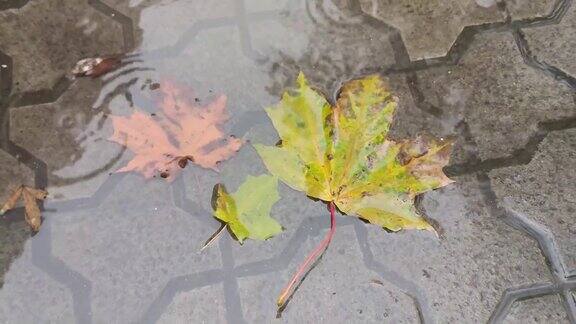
{"points": [[202, 305], [263, 5], [464, 273], [339, 289], [134, 11], [77, 129], [328, 45], [12, 175], [214, 63], [219, 57], [127, 251], [47, 38], [542, 191], [11, 4], [500, 97], [547, 309], [413, 118], [524, 9], [429, 28], [13, 230], [130, 247], [29, 295], [552, 44], [163, 25], [14, 235]]}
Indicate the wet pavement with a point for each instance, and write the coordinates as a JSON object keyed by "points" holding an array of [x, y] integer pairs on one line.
{"points": [[499, 76]]}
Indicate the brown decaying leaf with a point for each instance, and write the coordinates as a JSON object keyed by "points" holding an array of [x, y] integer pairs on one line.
{"points": [[96, 66], [181, 132], [12, 200], [31, 209], [377, 281]]}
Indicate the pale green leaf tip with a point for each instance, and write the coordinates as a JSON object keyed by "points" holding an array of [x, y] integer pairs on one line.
{"points": [[240, 236], [302, 82]]}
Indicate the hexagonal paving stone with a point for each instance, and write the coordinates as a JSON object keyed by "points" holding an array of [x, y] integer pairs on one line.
{"points": [[413, 118], [263, 5], [14, 232], [554, 44], [204, 304], [213, 63], [9, 4], [500, 97], [12, 175], [339, 289], [70, 136], [46, 39], [547, 309], [429, 28], [328, 45], [464, 273], [153, 20], [160, 24], [30, 295], [523, 9], [275, 48], [543, 189], [131, 246]]}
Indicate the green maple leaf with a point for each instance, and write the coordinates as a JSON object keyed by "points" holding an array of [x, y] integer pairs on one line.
{"points": [[247, 211], [341, 154]]}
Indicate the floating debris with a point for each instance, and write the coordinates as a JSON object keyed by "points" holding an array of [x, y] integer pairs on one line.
{"points": [[95, 67], [31, 209]]}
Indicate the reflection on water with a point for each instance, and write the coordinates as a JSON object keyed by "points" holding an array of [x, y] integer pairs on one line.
{"points": [[115, 247]]}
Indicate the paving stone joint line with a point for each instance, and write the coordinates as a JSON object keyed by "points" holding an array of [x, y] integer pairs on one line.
{"points": [[81, 287]]}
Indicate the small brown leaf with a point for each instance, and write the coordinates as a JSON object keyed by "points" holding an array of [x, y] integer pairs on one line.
{"points": [[107, 65], [95, 67], [12, 200], [377, 281], [31, 209], [38, 193]]}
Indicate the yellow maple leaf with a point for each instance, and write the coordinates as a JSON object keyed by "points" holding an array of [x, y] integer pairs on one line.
{"points": [[342, 155]]}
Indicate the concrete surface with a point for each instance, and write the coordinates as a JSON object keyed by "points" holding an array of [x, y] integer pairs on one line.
{"points": [[499, 76]]}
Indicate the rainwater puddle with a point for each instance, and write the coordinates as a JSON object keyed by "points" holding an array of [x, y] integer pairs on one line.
{"points": [[115, 247]]}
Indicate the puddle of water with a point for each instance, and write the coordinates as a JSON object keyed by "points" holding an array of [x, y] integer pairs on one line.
{"points": [[115, 247]]}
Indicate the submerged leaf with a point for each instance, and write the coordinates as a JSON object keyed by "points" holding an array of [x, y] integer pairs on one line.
{"points": [[96, 66], [31, 209], [247, 211], [164, 143], [341, 154], [12, 200]]}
